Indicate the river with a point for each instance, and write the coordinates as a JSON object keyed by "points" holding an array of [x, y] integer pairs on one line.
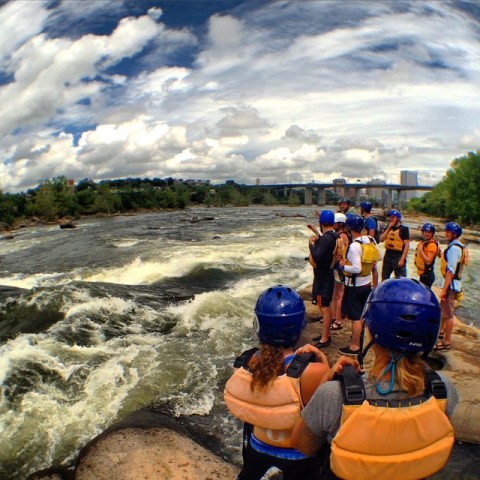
{"points": [[132, 311]]}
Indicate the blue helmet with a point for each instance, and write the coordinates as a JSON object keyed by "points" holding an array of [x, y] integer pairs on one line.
{"points": [[327, 217], [428, 227], [455, 228], [396, 213], [403, 315], [280, 316], [366, 206], [355, 222]]}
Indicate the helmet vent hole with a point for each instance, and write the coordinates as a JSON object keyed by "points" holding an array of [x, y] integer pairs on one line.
{"points": [[410, 318], [405, 335]]}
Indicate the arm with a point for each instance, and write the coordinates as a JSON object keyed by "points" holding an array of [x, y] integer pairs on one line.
{"points": [[429, 255], [355, 258], [406, 248], [304, 440], [374, 276], [314, 373], [390, 225]]}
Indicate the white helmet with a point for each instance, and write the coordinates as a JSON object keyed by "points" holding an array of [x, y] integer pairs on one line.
{"points": [[340, 218]]}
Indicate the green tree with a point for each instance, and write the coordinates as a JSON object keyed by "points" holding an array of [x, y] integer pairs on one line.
{"points": [[44, 203]]}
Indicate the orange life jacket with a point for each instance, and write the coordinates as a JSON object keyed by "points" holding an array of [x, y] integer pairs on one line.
{"points": [[395, 440], [393, 241], [422, 267], [272, 411]]}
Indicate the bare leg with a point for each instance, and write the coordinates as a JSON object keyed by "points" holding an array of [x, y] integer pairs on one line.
{"points": [[327, 322], [357, 326]]}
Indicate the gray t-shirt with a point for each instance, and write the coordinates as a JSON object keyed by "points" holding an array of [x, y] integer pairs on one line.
{"points": [[323, 413]]}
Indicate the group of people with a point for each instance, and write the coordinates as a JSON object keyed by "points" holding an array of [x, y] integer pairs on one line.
{"points": [[349, 242], [310, 420]]}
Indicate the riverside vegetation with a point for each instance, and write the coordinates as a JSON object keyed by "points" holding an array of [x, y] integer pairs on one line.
{"points": [[455, 197]]}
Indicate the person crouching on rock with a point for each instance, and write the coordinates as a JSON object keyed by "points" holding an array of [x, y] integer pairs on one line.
{"points": [[272, 384], [393, 424]]}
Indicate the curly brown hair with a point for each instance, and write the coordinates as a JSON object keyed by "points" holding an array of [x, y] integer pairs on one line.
{"points": [[266, 366]]}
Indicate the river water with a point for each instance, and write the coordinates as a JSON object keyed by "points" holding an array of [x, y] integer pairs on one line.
{"points": [[138, 311]]}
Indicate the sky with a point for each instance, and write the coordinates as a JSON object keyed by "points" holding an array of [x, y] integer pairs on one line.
{"points": [[280, 91]]}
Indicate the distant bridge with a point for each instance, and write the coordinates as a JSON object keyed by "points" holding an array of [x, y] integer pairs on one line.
{"points": [[357, 187]]}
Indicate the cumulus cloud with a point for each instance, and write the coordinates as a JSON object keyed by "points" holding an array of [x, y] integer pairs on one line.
{"points": [[272, 90]]}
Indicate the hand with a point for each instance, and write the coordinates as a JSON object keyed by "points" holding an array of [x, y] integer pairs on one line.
{"points": [[401, 263], [338, 367], [443, 296], [319, 355]]}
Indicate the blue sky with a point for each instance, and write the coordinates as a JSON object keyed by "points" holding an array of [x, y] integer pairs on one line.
{"points": [[229, 89]]}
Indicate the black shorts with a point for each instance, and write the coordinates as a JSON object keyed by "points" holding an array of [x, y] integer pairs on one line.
{"points": [[354, 300], [323, 284]]}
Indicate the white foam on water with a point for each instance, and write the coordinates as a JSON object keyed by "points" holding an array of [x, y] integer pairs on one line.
{"points": [[126, 243]]}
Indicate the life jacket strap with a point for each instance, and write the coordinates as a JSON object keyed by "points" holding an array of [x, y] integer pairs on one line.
{"points": [[353, 389], [299, 364], [243, 359], [436, 385]]}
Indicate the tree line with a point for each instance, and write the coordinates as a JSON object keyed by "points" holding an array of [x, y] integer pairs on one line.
{"points": [[457, 196], [56, 198]]}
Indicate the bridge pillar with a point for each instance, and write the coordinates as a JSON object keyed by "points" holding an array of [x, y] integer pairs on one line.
{"points": [[321, 197], [389, 199], [308, 195], [357, 196]]}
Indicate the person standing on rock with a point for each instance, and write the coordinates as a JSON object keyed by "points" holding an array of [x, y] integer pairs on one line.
{"points": [[454, 258], [361, 275], [337, 311], [397, 243], [425, 254], [322, 251], [272, 384], [394, 422]]}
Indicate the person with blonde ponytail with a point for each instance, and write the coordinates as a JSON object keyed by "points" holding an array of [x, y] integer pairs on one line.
{"points": [[394, 423], [272, 384]]}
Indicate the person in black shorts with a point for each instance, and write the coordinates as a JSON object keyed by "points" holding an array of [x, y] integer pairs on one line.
{"points": [[321, 251]]}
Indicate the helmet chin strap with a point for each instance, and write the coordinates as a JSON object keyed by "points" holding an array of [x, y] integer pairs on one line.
{"points": [[389, 368], [363, 352]]}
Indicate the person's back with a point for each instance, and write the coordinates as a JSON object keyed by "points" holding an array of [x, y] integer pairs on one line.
{"points": [[271, 386], [407, 409]]}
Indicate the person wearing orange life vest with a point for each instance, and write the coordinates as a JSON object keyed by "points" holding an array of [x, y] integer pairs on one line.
{"points": [[337, 312], [426, 252], [392, 423], [397, 243], [272, 384], [451, 269]]}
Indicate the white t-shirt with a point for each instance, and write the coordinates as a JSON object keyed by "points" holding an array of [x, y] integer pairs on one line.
{"points": [[354, 257]]}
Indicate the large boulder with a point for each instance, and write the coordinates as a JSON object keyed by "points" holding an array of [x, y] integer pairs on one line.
{"points": [[151, 446]]}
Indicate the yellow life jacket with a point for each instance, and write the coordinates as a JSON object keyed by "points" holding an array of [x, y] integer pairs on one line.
{"points": [[422, 267], [393, 241], [370, 256], [272, 411], [395, 440], [464, 260]]}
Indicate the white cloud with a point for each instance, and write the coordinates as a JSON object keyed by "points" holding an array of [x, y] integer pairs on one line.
{"points": [[280, 89]]}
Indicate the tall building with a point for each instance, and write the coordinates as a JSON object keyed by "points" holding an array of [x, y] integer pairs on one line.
{"points": [[408, 178], [375, 190]]}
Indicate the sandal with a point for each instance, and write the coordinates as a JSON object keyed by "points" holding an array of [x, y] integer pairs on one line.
{"points": [[336, 326], [441, 346], [440, 335]]}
